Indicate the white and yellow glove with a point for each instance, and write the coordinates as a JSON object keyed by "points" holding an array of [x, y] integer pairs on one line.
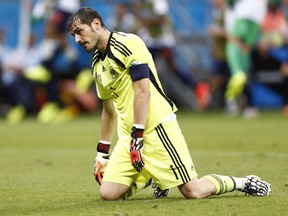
{"points": [[101, 160]]}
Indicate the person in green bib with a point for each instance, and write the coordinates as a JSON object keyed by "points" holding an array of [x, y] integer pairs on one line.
{"points": [[243, 20]]}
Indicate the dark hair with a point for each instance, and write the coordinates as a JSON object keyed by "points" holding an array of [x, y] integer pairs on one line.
{"points": [[84, 15]]}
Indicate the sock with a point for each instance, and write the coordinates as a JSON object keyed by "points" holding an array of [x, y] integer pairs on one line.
{"points": [[136, 187], [235, 85], [222, 183], [141, 182], [238, 183]]}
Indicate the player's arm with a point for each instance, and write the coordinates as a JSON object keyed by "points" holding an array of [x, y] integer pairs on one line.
{"points": [[108, 120], [108, 126], [141, 100], [141, 84]]}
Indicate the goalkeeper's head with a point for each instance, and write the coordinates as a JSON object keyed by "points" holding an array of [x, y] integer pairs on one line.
{"points": [[85, 15], [88, 29]]}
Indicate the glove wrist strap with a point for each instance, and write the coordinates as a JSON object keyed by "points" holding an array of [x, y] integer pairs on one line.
{"points": [[103, 146], [137, 132]]}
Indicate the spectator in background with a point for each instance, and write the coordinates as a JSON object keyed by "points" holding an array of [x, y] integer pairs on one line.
{"points": [[156, 29], [124, 19], [58, 57], [243, 20], [284, 72], [17, 91], [273, 44], [284, 68], [285, 8], [3, 108], [219, 71], [274, 28], [66, 81]]}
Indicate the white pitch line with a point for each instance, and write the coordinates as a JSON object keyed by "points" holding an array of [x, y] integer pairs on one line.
{"points": [[240, 154]]}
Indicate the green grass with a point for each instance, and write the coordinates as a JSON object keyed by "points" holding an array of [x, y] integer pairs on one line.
{"points": [[47, 170]]}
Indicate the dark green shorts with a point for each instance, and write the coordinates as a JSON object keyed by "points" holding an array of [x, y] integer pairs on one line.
{"points": [[246, 30]]}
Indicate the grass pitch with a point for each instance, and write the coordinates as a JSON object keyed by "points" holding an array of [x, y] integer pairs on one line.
{"points": [[47, 169]]}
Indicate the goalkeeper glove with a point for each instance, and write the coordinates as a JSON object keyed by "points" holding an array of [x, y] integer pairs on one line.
{"points": [[101, 160], [136, 148]]}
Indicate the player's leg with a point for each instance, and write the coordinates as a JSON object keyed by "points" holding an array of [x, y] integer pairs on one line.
{"points": [[113, 191], [121, 180], [237, 59], [219, 184], [167, 158], [116, 191], [242, 38], [169, 163], [142, 181], [207, 186], [197, 189]]}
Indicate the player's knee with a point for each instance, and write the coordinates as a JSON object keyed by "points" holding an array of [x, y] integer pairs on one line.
{"points": [[194, 190], [193, 194], [108, 195], [111, 192]]}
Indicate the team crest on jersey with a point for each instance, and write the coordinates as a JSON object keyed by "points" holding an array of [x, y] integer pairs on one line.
{"points": [[114, 74]]}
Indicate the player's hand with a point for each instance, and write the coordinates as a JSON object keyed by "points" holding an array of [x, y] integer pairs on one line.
{"points": [[100, 165], [136, 149]]}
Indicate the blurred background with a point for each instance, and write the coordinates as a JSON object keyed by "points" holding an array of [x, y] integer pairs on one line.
{"points": [[44, 74]]}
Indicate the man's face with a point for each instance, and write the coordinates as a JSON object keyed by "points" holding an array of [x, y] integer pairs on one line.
{"points": [[85, 35]]}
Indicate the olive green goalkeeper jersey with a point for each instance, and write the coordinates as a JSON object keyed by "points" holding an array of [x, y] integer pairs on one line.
{"points": [[113, 80]]}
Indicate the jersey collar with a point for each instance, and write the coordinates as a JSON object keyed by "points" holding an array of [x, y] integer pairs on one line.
{"points": [[103, 55]]}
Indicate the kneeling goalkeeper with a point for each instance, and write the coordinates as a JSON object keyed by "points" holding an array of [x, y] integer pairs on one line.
{"points": [[150, 143]]}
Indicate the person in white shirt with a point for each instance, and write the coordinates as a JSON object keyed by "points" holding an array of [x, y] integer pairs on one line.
{"points": [[243, 20]]}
